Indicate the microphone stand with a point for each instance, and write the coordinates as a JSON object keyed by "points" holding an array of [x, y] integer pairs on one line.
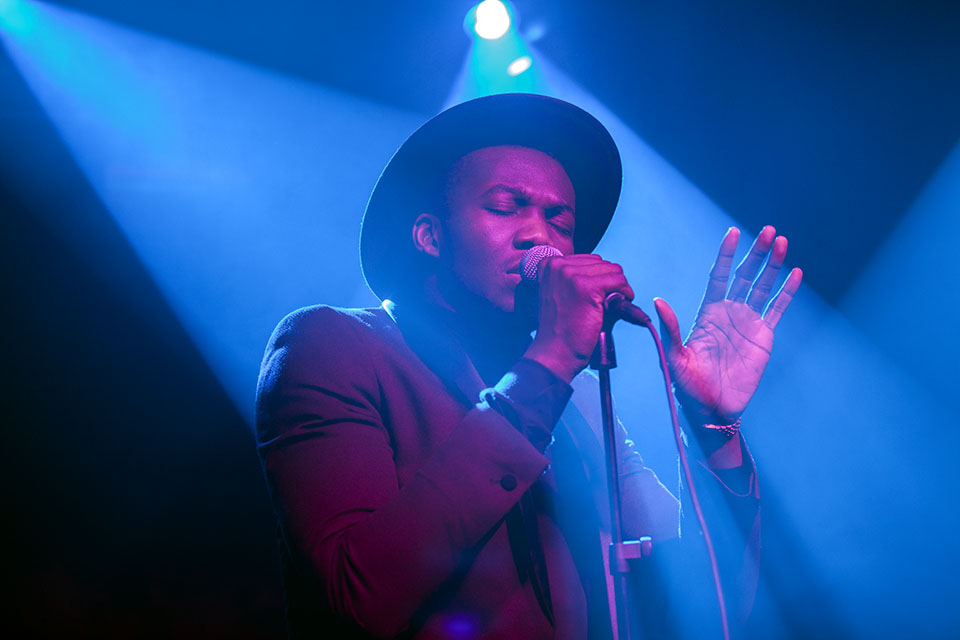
{"points": [[621, 552]]}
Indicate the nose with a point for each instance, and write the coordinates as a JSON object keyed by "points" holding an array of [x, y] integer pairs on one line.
{"points": [[533, 230]]}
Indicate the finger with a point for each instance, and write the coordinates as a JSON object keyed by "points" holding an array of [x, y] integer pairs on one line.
{"points": [[783, 299], [595, 279], [750, 265], [570, 266], [590, 268], [669, 327], [760, 291], [562, 263], [605, 284], [717, 284], [575, 271], [583, 257], [576, 258]]}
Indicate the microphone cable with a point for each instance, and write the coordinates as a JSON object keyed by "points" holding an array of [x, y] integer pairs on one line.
{"points": [[685, 466]]}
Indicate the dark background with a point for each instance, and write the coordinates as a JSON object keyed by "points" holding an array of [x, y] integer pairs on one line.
{"points": [[133, 498]]}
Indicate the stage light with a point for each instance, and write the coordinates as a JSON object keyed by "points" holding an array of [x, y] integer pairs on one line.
{"points": [[499, 60], [492, 19], [519, 65]]}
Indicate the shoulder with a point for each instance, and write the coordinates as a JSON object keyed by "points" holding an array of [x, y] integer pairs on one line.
{"points": [[323, 341], [332, 332], [324, 323], [319, 362]]}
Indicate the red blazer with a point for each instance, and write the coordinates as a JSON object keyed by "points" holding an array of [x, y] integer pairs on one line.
{"points": [[392, 490]]}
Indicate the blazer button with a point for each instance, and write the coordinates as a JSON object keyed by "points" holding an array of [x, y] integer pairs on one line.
{"points": [[508, 482]]}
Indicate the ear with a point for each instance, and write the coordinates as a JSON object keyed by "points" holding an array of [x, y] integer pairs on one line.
{"points": [[427, 234]]}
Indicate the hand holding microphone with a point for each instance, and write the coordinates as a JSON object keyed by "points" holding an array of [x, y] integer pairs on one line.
{"points": [[573, 300]]}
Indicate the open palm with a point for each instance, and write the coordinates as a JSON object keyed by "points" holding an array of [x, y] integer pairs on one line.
{"points": [[718, 368]]}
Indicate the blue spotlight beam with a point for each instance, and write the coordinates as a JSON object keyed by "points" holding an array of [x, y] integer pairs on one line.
{"points": [[836, 425], [240, 190]]}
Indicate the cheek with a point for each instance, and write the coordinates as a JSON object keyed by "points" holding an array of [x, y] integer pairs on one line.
{"points": [[480, 241], [475, 265], [480, 268], [565, 244], [465, 254]]}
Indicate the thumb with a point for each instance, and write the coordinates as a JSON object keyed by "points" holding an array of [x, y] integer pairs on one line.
{"points": [[669, 327]]}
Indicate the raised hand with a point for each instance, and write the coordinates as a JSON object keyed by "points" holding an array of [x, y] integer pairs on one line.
{"points": [[718, 368]]}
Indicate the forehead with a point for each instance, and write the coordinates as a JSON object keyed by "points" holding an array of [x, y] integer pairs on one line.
{"points": [[514, 166]]}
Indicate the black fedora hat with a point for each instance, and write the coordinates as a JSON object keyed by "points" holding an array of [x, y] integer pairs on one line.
{"points": [[407, 187]]}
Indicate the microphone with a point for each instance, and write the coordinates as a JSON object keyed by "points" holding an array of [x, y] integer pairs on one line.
{"points": [[615, 305], [623, 309]]}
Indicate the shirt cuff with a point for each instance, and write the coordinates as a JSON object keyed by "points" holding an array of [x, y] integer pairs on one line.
{"points": [[532, 398]]}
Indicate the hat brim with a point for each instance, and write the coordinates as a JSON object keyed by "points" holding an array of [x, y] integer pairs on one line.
{"points": [[390, 263]]}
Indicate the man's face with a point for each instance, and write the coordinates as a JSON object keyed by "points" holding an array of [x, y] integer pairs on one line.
{"points": [[501, 201]]}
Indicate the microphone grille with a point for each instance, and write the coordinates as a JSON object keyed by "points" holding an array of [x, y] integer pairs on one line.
{"points": [[530, 261]]}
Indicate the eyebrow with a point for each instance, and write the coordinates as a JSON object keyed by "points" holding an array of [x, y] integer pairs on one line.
{"points": [[520, 193]]}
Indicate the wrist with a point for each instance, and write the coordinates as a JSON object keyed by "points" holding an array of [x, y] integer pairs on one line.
{"points": [[560, 361], [721, 452], [723, 429], [532, 398], [699, 415], [718, 437]]}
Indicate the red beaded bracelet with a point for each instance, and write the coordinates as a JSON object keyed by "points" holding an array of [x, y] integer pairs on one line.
{"points": [[728, 430]]}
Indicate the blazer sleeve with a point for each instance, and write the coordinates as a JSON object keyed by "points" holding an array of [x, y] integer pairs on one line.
{"points": [[378, 550], [730, 500]]}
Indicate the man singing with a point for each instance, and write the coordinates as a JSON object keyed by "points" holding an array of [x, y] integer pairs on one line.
{"points": [[438, 473]]}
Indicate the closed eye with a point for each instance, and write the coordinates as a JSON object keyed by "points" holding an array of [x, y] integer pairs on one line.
{"points": [[561, 218], [564, 229]]}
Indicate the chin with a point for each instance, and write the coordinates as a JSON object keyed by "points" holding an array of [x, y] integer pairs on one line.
{"points": [[504, 305]]}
